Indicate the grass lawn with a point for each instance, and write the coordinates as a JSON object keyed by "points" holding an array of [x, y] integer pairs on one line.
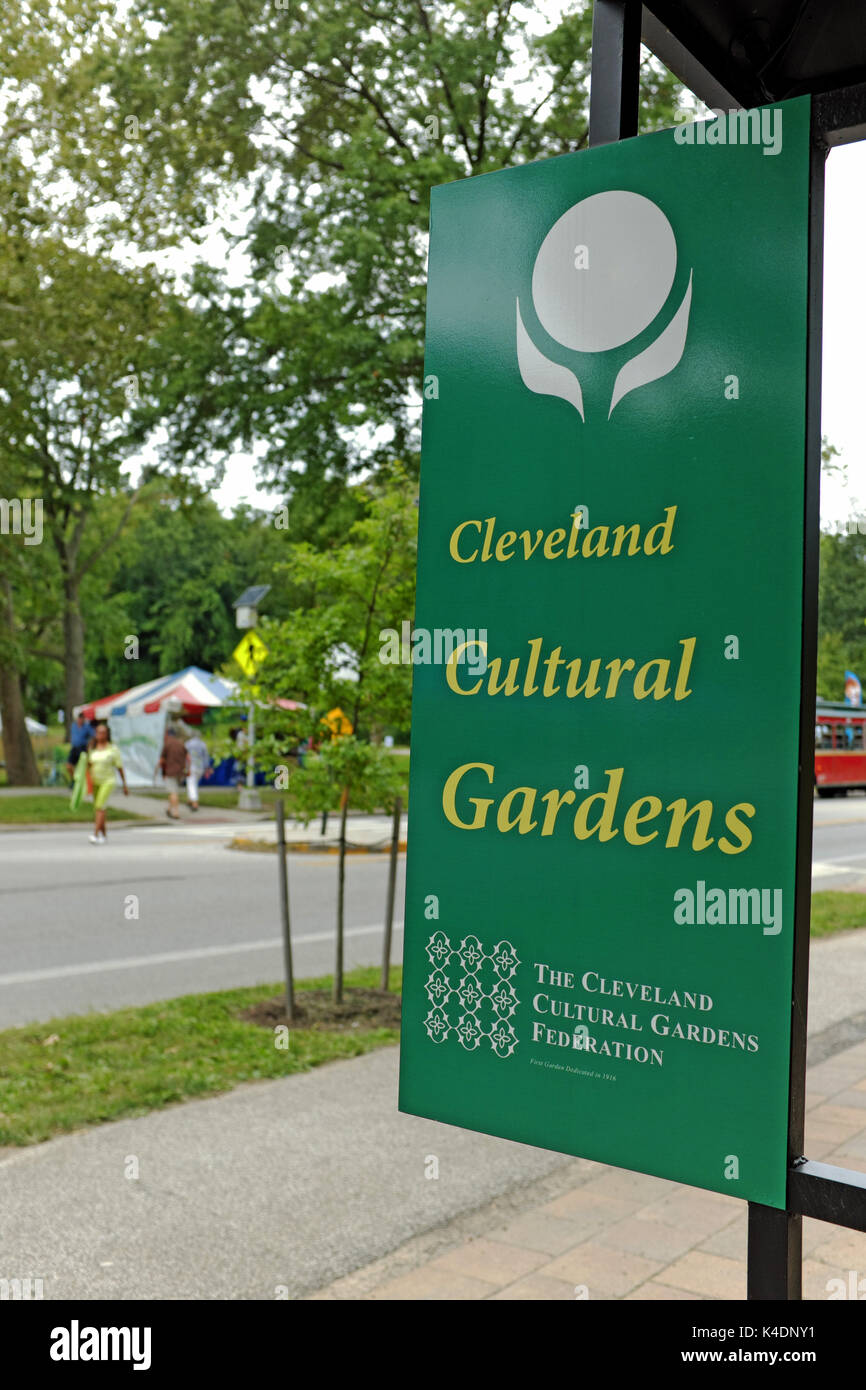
{"points": [[832, 912], [41, 810], [83, 1070], [224, 798], [71, 1073]]}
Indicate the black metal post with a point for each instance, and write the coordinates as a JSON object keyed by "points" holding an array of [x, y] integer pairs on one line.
{"points": [[775, 1237], [828, 1194], [392, 883], [811, 552], [283, 872], [814, 1189], [775, 1254], [615, 80]]}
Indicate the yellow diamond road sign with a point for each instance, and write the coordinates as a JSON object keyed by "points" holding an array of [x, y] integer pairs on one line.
{"points": [[250, 652]]}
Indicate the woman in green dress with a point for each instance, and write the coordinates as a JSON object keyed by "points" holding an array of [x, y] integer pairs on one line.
{"points": [[103, 759]]}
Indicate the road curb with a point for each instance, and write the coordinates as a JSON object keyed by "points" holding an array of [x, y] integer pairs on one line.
{"points": [[310, 847], [75, 825]]}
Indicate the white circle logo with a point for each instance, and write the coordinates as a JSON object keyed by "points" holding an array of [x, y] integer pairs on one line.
{"points": [[604, 271]]}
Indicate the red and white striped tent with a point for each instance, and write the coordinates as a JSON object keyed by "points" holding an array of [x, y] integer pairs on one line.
{"points": [[190, 691]]}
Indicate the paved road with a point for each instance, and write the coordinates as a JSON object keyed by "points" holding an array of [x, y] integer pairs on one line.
{"points": [[839, 842], [207, 917]]}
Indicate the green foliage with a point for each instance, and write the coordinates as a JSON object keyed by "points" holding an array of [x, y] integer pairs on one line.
{"points": [[841, 612], [369, 776], [180, 567], [75, 339], [829, 455], [332, 120], [323, 125], [833, 662], [74, 336], [326, 654]]}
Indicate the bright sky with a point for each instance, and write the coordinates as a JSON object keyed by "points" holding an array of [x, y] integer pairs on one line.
{"points": [[241, 485], [843, 414]]}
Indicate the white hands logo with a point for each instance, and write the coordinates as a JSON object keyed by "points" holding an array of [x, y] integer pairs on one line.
{"points": [[602, 274]]}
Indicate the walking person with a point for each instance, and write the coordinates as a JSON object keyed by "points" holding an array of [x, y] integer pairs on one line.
{"points": [[198, 760], [173, 762], [80, 735], [103, 760]]}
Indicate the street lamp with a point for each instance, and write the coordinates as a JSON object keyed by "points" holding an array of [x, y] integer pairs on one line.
{"points": [[246, 617], [246, 607]]}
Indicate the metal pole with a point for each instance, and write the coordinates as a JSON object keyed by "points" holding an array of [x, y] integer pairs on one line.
{"points": [[392, 883], [251, 741], [615, 77], [775, 1254], [283, 871], [341, 899], [775, 1237], [811, 542], [249, 799]]}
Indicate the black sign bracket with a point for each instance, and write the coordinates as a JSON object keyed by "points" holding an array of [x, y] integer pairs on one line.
{"points": [[819, 1190]]}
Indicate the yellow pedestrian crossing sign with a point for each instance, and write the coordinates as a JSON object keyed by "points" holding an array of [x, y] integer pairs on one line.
{"points": [[250, 652]]}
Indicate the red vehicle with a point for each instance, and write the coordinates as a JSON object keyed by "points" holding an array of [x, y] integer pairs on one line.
{"points": [[840, 748]]}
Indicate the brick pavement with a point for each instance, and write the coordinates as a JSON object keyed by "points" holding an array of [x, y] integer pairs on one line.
{"points": [[590, 1231]]}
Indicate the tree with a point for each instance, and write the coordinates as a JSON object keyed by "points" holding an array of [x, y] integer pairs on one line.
{"points": [[182, 565], [76, 337], [21, 769], [841, 597], [328, 654], [332, 119], [327, 651], [28, 614], [833, 661], [355, 772], [841, 611]]}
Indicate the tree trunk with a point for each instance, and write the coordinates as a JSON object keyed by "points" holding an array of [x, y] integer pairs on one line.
{"points": [[392, 885], [21, 769], [341, 899], [73, 650]]}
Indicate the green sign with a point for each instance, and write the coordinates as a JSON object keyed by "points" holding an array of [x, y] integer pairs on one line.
{"points": [[600, 896]]}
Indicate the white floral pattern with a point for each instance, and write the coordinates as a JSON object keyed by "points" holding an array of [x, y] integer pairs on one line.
{"points": [[476, 1014]]}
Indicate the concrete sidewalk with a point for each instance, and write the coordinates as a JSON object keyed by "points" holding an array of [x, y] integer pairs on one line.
{"points": [[362, 832]]}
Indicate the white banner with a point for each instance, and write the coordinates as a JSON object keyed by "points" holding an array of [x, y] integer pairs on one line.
{"points": [[139, 738]]}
